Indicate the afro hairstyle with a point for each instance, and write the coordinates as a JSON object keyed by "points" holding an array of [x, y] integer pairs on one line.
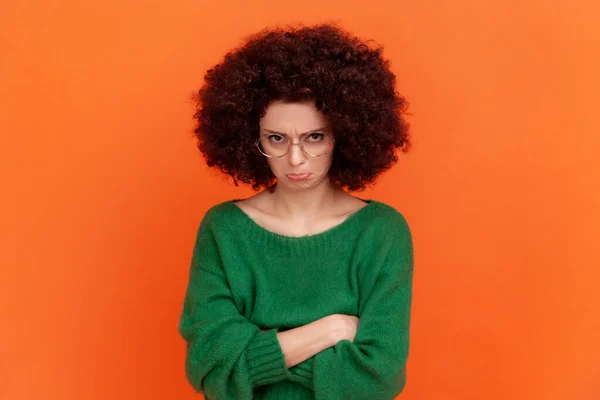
{"points": [[347, 78]]}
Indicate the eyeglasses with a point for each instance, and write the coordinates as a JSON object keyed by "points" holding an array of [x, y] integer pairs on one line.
{"points": [[314, 144]]}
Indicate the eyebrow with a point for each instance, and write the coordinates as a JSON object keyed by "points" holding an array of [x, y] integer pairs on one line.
{"points": [[302, 134]]}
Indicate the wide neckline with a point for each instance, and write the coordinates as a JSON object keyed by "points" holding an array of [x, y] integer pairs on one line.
{"points": [[342, 225]]}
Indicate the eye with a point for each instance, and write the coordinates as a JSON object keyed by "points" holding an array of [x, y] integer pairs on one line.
{"points": [[276, 139], [315, 137]]}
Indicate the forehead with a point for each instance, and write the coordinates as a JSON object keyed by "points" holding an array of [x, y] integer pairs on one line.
{"points": [[292, 118]]}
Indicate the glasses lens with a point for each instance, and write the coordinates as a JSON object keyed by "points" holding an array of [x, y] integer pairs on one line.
{"points": [[317, 143], [273, 145], [314, 144]]}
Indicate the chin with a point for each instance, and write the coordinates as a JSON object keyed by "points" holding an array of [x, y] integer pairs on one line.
{"points": [[300, 185]]}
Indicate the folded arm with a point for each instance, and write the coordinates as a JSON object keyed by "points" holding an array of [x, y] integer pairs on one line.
{"points": [[227, 356], [373, 366]]}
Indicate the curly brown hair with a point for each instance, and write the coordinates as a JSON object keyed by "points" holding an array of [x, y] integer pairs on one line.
{"points": [[349, 81]]}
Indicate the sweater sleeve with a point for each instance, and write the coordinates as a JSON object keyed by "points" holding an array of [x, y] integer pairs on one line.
{"points": [[227, 356], [373, 366]]}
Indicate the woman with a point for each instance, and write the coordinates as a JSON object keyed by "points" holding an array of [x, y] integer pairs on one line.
{"points": [[301, 291]]}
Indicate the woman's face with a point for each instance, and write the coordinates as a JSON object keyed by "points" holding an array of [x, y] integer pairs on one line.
{"points": [[297, 170]]}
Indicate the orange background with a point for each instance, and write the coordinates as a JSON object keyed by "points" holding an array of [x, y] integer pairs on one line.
{"points": [[103, 189]]}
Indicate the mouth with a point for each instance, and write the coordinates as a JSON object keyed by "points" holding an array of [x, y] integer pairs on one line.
{"points": [[298, 177]]}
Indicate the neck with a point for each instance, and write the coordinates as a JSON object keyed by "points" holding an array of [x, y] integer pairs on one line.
{"points": [[303, 204]]}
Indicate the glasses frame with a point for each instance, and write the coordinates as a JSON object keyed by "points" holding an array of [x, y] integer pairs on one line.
{"points": [[290, 144]]}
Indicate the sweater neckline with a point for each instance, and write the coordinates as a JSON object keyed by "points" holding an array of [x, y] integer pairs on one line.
{"points": [[348, 221]]}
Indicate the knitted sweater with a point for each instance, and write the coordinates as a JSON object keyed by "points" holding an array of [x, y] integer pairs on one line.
{"points": [[244, 277]]}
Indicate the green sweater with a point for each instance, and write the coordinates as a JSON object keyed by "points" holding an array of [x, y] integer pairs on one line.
{"points": [[244, 277]]}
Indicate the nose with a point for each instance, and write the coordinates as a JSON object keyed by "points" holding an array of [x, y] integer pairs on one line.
{"points": [[297, 156]]}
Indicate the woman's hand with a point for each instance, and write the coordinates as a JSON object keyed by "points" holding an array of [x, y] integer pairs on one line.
{"points": [[343, 326], [303, 342]]}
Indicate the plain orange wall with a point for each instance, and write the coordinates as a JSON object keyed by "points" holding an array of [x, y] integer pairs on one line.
{"points": [[103, 189]]}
